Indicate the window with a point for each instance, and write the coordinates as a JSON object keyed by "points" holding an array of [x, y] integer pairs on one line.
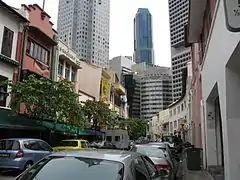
{"points": [[84, 145], [67, 72], [60, 68], [45, 146], [37, 52], [69, 143], [32, 145], [150, 166], [140, 169], [62, 168], [74, 73], [9, 145], [109, 138], [117, 138], [7, 42]]}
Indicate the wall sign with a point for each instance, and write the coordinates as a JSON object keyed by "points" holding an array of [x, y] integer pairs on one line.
{"points": [[232, 14]]}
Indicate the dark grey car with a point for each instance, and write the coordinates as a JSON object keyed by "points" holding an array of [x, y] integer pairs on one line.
{"points": [[92, 165]]}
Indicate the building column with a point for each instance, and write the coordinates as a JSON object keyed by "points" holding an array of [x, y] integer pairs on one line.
{"points": [[232, 123], [210, 133], [64, 69], [70, 73]]}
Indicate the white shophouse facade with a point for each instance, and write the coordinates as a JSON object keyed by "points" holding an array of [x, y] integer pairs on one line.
{"points": [[11, 25], [67, 63], [220, 87]]}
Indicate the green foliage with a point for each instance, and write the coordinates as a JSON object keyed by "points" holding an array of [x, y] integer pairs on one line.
{"points": [[98, 113], [136, 127], [46, 99]]}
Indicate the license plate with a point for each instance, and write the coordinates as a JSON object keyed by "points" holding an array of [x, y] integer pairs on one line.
{"points": [[4, 155]]}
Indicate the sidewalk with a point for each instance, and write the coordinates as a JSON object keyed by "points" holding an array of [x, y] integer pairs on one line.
{"points": [[193, 175]]}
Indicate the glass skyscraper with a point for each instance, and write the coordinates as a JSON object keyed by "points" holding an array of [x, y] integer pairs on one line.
{"points": [[143, 44]]}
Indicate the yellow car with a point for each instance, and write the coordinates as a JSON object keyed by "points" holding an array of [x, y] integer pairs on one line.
{"points": [[72, 144]]}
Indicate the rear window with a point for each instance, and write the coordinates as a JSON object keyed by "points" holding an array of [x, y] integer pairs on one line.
{"points": [[150, 151], [9, 145], [72, 168], [69, 143]]}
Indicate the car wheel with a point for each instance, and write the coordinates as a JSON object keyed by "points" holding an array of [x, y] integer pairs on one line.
{"points": [[28, 165]]}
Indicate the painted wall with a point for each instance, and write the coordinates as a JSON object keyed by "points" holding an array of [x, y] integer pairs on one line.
{"points": [[14, 25], [89, 79], [215, 74], [46, 26]]}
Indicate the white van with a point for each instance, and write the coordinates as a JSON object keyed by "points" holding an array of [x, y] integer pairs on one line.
{"points": [[118, 137]]}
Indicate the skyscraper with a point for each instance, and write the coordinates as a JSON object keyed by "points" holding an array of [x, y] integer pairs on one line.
{"points": [[178, 12], [84, 26], [143, 44]]}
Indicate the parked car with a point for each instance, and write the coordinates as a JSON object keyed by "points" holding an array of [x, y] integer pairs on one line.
{"points": [[20, 154], [92, 165], [103, 145], [72, 144], [159, 156], [164, 146]]}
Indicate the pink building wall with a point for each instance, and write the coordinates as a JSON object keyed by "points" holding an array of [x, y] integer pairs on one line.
{"points": [[197, 96]]}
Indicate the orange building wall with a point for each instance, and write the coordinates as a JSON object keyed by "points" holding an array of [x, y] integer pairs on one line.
{"points": [[45, 25], [35, 19]]}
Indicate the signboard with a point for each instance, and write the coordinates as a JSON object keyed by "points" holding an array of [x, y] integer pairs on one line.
{"points": [[232, 13], [105, 90]]}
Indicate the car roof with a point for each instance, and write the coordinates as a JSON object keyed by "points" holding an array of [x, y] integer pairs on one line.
{"points": [[106, 154], [22, 139], [157, 143], [74, 140], [149, 145]]}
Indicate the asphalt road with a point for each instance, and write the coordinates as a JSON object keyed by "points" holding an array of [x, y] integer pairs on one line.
{"points": [[8, 175]]}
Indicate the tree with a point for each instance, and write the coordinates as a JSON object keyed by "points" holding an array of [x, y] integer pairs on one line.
{"points": [[46, 99], [97, 112], [136, 127]]}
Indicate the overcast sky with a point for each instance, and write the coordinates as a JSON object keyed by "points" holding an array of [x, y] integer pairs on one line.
{"points": [[121, 25]]}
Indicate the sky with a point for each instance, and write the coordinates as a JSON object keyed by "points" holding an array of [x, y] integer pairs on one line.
{"points": [[121, 25]]}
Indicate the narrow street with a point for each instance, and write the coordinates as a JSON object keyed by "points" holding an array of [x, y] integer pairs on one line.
{"points": [[8, 175]]}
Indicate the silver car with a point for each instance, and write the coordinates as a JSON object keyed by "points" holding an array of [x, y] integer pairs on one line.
{"points": [[20, 153], [158, 156], [92, 165]]}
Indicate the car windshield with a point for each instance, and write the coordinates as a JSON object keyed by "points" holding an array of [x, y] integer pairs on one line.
{"points": [[74, 168], [69, 143], [151, 151], [9, 145]]}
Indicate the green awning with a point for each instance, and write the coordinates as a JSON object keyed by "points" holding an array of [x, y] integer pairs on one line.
{"points": [[8, 60], [11, 120], [64, 128]]}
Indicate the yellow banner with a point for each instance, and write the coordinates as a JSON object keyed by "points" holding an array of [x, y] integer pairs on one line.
{"points": [[105, 90]]}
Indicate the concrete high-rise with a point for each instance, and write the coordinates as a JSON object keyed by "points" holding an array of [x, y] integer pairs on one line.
{"points": [[143, 43], [121, 65], [178, 12], [156, 91], [84, 26]]}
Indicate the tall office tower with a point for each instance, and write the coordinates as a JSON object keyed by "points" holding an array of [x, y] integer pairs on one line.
{"points": [[178, 12], [132, 85], [156, 91], [143, 43], [84, 26]]}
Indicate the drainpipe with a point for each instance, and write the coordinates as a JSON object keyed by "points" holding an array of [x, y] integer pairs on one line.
{"points": [[54, 60], [25, 29]]}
